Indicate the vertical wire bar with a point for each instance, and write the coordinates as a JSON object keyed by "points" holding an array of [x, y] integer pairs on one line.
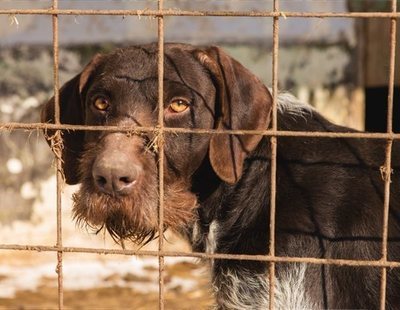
{"points": [[161, 153], [273, 154], [58, 137], [389, 145]]}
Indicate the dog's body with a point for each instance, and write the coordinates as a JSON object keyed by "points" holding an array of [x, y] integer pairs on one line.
{"points": [[329, 205], [329, 190]]}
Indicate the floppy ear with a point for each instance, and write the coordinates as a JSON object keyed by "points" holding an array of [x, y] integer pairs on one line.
{"points": [[71, 112], [243, 103]]}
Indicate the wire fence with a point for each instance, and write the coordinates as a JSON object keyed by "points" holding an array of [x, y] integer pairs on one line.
{"points": [[272, 133]]}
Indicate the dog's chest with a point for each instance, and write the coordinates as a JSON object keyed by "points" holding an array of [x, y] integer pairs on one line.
{"points": [[205, 237], [289, 285], [212, 237], [246, 290]]}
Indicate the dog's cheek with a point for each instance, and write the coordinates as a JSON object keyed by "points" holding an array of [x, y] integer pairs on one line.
{"points": [[180, 207], [185, 152]]}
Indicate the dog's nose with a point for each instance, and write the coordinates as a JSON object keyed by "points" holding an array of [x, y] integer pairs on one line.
{"points": [[115, 175]]}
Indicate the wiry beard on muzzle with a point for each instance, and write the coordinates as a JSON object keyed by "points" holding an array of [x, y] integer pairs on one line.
{"points": [[134, 216], [118, 216], [135, 219]]}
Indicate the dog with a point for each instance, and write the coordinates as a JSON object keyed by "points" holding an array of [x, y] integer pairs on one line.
{"points": [[330, 191]]}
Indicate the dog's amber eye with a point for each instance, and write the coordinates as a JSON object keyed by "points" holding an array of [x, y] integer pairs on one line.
{"points": [[178, 105], [101, 104]]}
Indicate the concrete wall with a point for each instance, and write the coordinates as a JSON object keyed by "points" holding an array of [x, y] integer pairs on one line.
{"points": [[95, 29]]}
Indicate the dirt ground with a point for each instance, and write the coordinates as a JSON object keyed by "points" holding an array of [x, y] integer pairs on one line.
{"points": [[28, 279], [117, 297]]}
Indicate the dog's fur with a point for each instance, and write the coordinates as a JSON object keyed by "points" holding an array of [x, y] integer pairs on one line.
{"points": [[217, 187]]}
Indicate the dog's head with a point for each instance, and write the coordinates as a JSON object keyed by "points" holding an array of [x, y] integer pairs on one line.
{"points": [[118, 172]]}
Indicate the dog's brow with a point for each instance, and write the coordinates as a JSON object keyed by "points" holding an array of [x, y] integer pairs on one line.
{"points": [[152, 78], [133, 80]]}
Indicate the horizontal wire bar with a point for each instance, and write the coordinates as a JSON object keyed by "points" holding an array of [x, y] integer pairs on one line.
{"points": [[174, 12], [267, 258], [138, 129]]}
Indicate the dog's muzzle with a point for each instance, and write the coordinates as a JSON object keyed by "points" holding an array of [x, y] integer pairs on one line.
{"points": [[117, 168]]}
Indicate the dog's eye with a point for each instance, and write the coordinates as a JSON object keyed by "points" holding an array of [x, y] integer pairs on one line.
{"points": [[101, 104], [178, 105]]}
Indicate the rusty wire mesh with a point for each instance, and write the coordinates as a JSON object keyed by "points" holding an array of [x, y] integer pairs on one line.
{"points": [[273, 133]]}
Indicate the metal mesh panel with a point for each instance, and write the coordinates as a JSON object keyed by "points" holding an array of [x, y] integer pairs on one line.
{"points": [[273, 133]]}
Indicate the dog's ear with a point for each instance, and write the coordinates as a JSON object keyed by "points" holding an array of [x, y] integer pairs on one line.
{"points": [[243, 103], [72, 111]]}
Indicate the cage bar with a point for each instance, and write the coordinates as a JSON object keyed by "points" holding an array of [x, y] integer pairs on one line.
{"points": [[259, 258], [160, 141], [274, 149], [139, 129], [389, 145], [57, 150], [220, 13]]}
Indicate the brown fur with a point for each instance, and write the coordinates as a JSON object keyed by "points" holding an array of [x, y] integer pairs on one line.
{"points": [[134, 216]]}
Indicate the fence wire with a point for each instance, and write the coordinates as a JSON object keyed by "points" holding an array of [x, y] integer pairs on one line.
{"points": [[59, 146], [272, 133], [388, 167]]}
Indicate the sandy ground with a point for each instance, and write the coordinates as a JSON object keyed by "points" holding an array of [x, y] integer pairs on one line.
{"points": [[101, 298], [109, 284], [28, 280]]}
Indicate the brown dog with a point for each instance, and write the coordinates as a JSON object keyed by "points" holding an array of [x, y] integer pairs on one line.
{"points": [[329, 191]]}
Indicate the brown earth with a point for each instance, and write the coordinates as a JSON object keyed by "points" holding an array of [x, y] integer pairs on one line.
{"points": [[46, 296]]}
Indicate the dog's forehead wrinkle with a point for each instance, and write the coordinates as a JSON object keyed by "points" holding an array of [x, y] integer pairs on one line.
{"points": [[138, 65], [129, 78], [132, 60]]}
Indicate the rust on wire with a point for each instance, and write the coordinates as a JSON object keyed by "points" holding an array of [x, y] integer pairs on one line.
{"points": [[57, 147], [262, 258], [274, 149], [160, 146], [388, 164], [175, 12], [139, 130]]}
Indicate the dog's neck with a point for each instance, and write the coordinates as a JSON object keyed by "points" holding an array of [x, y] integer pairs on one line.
{"points": [[217, 200]]}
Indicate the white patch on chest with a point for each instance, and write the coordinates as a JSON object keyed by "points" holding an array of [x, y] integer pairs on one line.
{"points": [[247, 291], [211, 241]]}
